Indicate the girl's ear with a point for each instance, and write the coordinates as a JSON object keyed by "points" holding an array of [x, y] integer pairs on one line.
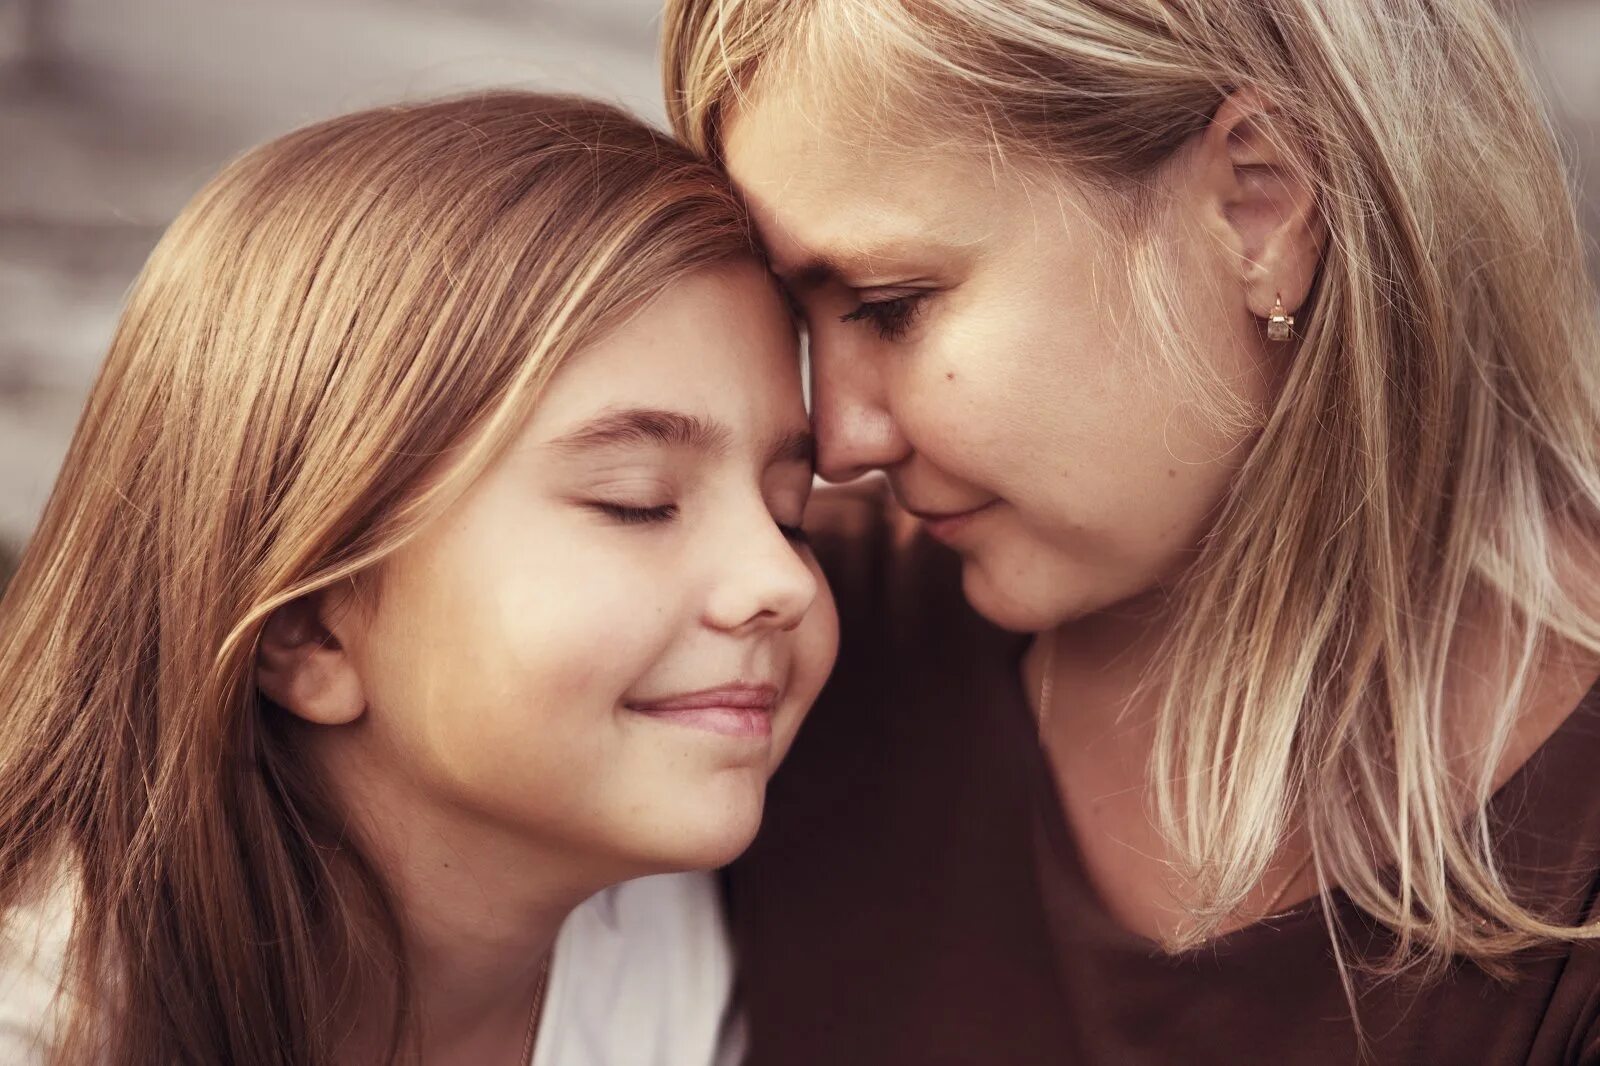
{"points": [[303, 667]]}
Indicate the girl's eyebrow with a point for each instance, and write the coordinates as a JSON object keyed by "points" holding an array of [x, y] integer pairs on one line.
{"points": [[635, 426], [653, 427]]}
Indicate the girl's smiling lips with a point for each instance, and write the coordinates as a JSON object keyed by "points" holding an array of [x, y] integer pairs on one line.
{"points": [[738, 709]]}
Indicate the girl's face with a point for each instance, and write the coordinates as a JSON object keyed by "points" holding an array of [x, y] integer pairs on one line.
{"points": [[607, 645], [975, 336]]}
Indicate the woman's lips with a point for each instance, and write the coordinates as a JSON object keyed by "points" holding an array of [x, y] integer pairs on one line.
{"points": [[944, 527], [737, 710]]}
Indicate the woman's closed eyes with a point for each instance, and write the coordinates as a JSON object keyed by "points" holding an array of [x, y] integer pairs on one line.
{"points": [[891, 317]]}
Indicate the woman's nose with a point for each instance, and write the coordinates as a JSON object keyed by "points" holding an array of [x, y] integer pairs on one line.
{"points": [[850, 413]]}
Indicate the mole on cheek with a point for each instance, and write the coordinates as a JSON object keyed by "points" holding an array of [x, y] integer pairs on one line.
{"points": [[949, 375]]}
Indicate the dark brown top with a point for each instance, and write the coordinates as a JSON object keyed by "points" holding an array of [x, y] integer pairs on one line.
{"points": [[915, 898]]}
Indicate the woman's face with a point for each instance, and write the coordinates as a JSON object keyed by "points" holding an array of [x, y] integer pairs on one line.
{"points": [[607, 645], [974, 334]]}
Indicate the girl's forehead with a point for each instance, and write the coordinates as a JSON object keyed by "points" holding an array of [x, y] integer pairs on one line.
{"points": [[718, 346]]}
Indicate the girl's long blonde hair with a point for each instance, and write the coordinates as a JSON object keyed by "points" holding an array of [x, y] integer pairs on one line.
{"points": [[1434, 454], [328, 343]]}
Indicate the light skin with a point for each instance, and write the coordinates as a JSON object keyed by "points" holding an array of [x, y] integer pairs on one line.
{"points": [[975, 335], [511, 718]]}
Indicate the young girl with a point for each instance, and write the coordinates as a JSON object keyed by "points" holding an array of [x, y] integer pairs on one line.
{"points": [[1239, 356], [427, 560]]}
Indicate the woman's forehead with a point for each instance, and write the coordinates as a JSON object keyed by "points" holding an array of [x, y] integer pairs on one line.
{"points": [[829, 206]]}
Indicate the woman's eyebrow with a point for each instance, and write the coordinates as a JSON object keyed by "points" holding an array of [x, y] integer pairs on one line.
{"points": [[843, 265], [797, 447], [815, 272]]}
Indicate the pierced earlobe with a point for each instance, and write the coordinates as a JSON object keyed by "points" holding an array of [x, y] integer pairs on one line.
{"points": [[1280, 324]]}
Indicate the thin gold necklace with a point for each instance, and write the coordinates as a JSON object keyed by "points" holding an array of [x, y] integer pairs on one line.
{"points": [[1046, 688], [1269, 911], [1047, 681], [533, 1011]]}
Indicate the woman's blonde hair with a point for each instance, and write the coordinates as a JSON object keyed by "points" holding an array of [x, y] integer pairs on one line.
{"points": [[1434, 454], [330, 341]]}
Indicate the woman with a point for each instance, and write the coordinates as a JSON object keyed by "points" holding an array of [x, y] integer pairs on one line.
{"points": [[1242, 354], [405, 587]]}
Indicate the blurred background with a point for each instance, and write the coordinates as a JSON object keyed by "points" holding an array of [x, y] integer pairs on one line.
{"points": [[113, 112]]}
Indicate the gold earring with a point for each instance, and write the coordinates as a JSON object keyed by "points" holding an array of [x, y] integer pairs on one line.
{"points": [[1279, 325]]}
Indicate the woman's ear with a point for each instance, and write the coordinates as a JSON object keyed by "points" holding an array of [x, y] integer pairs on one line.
{"points": [[1264, 200], [303, 666]]}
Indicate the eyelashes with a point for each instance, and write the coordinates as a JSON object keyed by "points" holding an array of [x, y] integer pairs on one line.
{"points": [[889, 318], [637, 516]]}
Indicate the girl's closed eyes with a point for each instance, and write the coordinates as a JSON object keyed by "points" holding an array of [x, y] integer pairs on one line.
{"points": [[632, 515]]}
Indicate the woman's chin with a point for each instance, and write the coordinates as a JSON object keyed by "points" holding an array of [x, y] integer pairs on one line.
{"points": [[1012, 603], [1034, 596]]}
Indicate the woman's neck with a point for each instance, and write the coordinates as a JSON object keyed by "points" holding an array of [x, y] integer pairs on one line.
{"points": [[1102, 725], [1099, 664]]}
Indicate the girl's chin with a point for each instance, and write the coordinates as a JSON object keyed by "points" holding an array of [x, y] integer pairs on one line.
{"points": [[704, 840]]}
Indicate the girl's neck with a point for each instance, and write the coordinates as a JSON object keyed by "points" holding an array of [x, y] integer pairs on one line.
{"points": [[476, 943], [479, 906]]}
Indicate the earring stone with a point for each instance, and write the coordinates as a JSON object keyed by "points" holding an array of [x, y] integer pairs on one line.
{"points": [[1280, 325]]}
